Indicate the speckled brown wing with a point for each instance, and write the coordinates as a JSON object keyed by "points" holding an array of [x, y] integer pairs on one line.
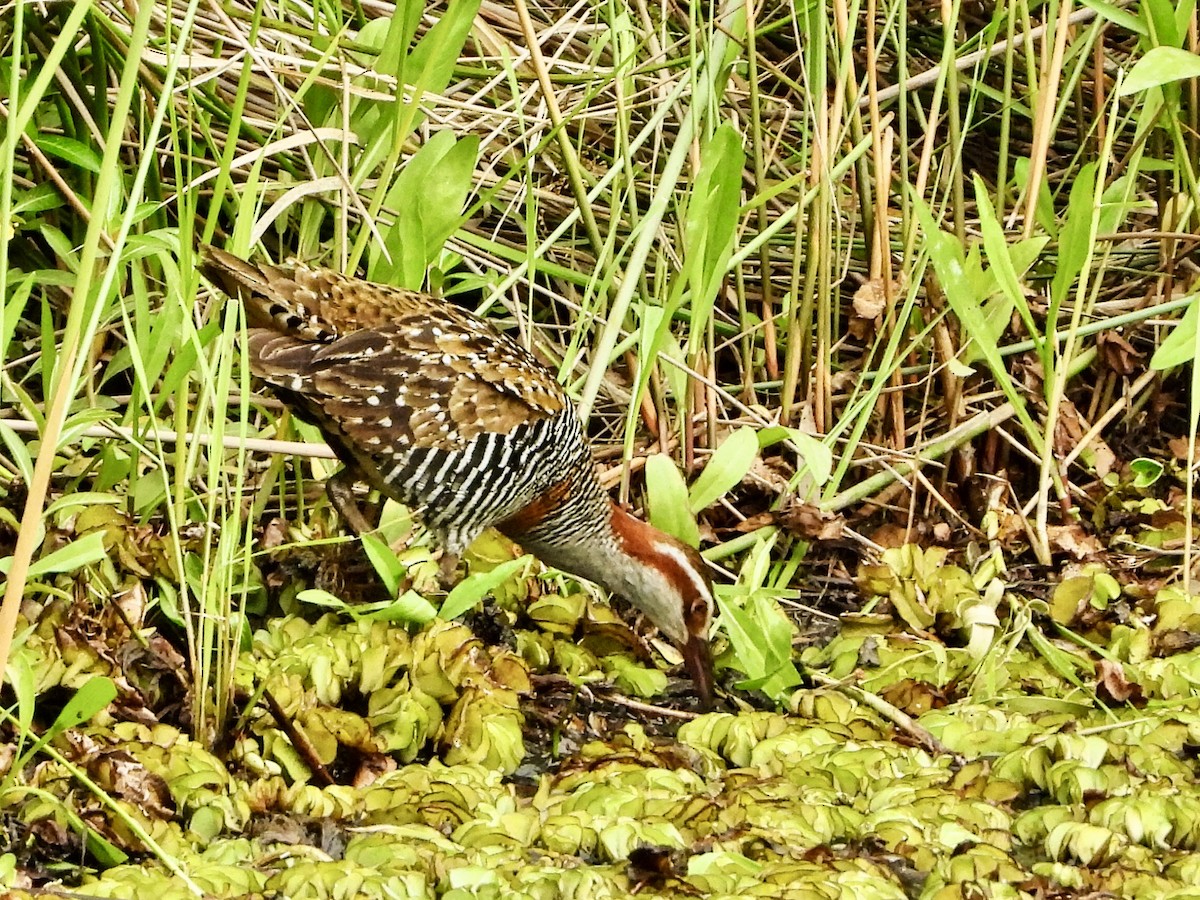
{"points": [[424, 400], [465, 449], [312, 304], [385, 347], [411, 383]]}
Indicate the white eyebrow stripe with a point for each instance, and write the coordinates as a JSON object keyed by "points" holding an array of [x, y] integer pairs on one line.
{"points": [[685, 565]]}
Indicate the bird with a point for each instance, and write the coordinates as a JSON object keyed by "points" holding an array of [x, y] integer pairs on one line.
{"points": [[437, 409]]}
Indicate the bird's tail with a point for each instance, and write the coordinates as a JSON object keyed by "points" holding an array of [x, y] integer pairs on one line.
{"points": [[270, 294]]}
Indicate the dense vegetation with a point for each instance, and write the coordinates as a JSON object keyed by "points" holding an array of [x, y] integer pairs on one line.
{"points": [[888, 309]]}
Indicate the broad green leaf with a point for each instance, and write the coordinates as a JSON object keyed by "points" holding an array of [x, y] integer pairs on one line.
{"points": [[20, 675], [1044, 206], [39, 198], [778, 632], [757, 564], [1161, 65], [206, 823], [383, 560], [1069, 597], [711, 223], [184, 364], [1159, 16], [428, 66], [431, 62], [651, 332], [322, 598], [478, 585], [816, 457], [1118, 16], [1025, 253], [745, 639], [94, 695], [1115, 204], [722, 863], [633, 678], [104, 852], [1066, 665], [1145, 472], [83, 498], [166, 326], [1074, 242], [1185, 16], [81, 421], [912, 605], [392, 36], [947, 258], [1003, 268], [410, 608], [667, 498], [817, 461], [1179, 347], [70, 150], [150, 489], [959, 369], [725, 469], [760, 637], [18, 452], [82, 552], [428, 197], [11, 313]]}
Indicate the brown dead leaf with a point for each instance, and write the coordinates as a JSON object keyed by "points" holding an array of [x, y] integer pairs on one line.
{"points": [[1010, 529], [1161, 402], [810, 522], [50, 833], [372, 767], [914, 697], [281, 829], [1104, 460], [154, 675], [770, 474], [274, 534], [869, 303], [870, 300], [1163, 519], [868, 653], [653, 866], [861, 329], [122, 775], [755, 522], [1069, 433], [1118, 354], [1179, 447], [1177, 640], [889, 536], [1112, 685], [843, 382], [1069, 430], [1074, 540], [131, 604]]}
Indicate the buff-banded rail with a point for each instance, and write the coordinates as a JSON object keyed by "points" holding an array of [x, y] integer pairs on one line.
{"points": [[435, 408]]}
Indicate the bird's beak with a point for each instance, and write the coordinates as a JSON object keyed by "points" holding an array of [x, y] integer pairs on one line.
{"points": [[697, 658]]}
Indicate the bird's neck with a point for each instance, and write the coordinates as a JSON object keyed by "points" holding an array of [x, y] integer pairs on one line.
{"points": [[652, 550], [620, 553]]}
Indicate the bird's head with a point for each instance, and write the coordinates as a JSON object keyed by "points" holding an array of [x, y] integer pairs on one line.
{"points": [[669, 582]]}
